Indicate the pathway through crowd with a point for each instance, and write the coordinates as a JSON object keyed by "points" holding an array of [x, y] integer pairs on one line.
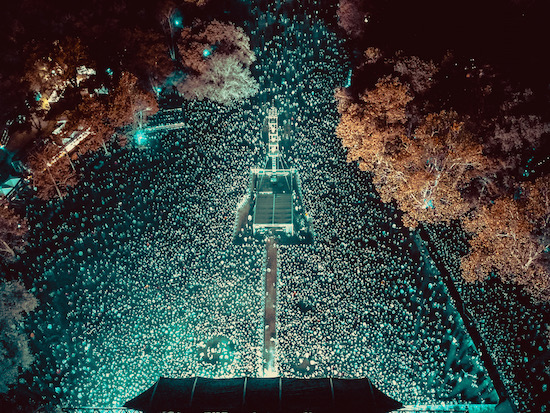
{"points": [[269, 365]]}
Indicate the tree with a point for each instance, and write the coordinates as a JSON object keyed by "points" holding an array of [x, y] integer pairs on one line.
{"points": [[372, 130], [101, 117], [537, 204], [15, 355], [52, 175], [130, 103], [436, 165], [198, 3], [426, 173], [372, 55], [13, 230], [70, 54], [50, 68], [503, 243], [226, 81], [352, 17], [197, 45], [91, 116], [416, 72], [514, 136]]}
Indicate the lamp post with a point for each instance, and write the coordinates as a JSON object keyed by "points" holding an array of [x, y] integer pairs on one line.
{"points": [[175, 22]]}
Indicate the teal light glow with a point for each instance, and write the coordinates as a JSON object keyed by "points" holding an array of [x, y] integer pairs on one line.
{"points": [[38, 96], [348, 80], [140, 138], [109, 71], [206, 52], [177, 23]]}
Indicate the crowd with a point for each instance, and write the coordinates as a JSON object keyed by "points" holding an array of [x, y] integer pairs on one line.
{"points": [[359, 300], [514, 328], [136, 273]]}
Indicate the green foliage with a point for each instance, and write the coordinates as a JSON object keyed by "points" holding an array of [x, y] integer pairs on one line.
{"points": [[15, 356]]}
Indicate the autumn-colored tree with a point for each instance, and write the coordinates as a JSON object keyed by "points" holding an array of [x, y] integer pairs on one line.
{"points": [[50, 68], [13, 230], [372, 129], [91, 117], [436, 165], [130, 103], [513, 138], [52, 175], [352, 17], [197, 45], [226, 81], [372, 55], [99, 118], [15, 356], [515, 133], [426, 173], [504, 243]]}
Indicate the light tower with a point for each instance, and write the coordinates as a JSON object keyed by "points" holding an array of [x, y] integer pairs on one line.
{"points": [[273, 133], [274, 205], [273, 187]]}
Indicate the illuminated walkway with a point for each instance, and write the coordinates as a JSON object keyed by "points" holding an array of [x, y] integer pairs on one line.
{"points": [[169, 126], [269, 365]]}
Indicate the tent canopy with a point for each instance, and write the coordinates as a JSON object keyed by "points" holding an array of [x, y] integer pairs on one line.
{"points": [[9, 185], [262, 395]]}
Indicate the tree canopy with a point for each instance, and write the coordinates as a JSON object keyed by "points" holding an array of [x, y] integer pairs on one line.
{"points": [[441, 166]]}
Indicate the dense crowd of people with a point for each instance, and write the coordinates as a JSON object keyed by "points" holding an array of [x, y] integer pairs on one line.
{"points": [[512, 326], [357, 298], [136, 273]]}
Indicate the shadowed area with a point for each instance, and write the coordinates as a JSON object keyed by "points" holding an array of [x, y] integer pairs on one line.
{"points": [[263, 395]]}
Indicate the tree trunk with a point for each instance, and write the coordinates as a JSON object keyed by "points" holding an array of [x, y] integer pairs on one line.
{"points": [[71, 162], [7, 248], [104, 146], [54, 183]]}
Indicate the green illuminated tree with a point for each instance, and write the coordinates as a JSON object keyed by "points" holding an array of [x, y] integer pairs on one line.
{"points": [[15, 356]]}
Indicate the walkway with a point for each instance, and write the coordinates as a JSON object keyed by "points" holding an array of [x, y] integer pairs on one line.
{"points": [[269, 366], [169, 126]]}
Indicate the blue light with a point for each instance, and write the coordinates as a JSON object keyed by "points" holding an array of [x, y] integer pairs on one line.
{"points": [[177, 22], [38, 96], [109, 71], [206, 52]]}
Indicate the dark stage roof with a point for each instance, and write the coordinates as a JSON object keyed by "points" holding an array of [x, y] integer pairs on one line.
{"points": [[262, 395]]}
